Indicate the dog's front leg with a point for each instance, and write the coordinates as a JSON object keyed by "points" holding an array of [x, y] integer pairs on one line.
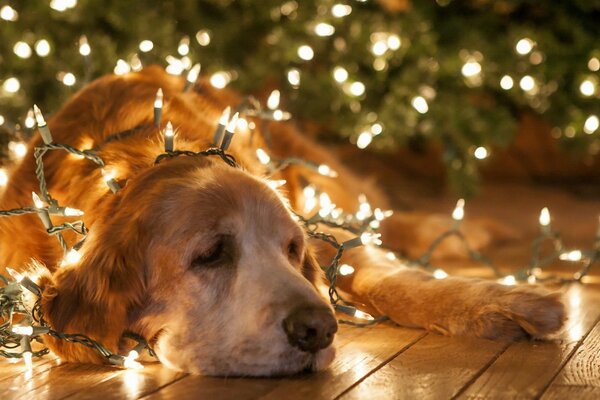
{"points": [[451, 306]]}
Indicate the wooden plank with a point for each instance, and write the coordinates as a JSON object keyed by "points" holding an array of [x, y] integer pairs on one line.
{"points": [[19, 383], [435, 367], [526, 368], [356, 358], [64, 380], [583, 369], [9, 369], [130, 384], [560, 392]]}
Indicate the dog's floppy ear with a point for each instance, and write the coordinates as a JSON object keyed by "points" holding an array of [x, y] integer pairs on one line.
{"points": [[96, 296]]}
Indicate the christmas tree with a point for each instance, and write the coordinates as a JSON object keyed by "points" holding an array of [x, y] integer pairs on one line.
{"points": [[381, 74]]}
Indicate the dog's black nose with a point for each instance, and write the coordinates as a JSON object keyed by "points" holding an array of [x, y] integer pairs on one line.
{"points": [[310, 328]]}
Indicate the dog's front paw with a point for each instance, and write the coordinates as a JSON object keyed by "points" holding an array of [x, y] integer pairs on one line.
{"points": [[520, 312]]}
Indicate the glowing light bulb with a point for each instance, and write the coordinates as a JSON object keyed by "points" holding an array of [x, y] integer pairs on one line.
{"points": [[591, 124], [16, 276], [203, 37], [310, 199], [233, 123], [363, 315], [340, 74], [340, 10], [220, 79], [184, 46], [159, 98], [524, 46], [8, 13], [594, 64], [346, 269], [84, 47], [357, 88], [18, 149], [130, 361], [39, 204], [587, 88], [72, 257], [440, 274], [68, 79], [146, 45], [545, 217], [573, 255], [11, 85], [527, 83], [62, 5], [273, 100], [22, 330], [306, 52], [480, 153], [192, 76], [29, 119], [122, 67], [459, 211], [169, 133], [364, 139], [390, 256], [263, 157], [39, 117], [274, 184], [72, 212], [508, 280], [470, 69], [175, 66], [225, 116], [323, 29], [42, 48], [326, 170], [3, 177], [371, 238], [293, 77], [379, 48], [22, 49], [420, 104], [394, 42], [506, 82]]}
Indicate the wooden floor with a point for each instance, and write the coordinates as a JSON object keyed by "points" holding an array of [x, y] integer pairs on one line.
{"points": [[390, 362]]}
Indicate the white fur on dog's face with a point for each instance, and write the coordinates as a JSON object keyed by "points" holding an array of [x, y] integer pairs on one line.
{"points": [[223, 277]]}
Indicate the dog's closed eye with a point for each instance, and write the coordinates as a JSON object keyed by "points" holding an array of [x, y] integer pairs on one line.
{"points": [[294, 250], [215, 255]]}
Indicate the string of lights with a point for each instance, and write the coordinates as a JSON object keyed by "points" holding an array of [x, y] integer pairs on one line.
{"points": [[362, 224]]}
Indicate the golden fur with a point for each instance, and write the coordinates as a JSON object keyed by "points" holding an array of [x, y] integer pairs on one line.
{"points": [[138, 270]]}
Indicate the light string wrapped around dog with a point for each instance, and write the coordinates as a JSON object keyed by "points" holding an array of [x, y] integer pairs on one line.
{"points": [[363, 224]]}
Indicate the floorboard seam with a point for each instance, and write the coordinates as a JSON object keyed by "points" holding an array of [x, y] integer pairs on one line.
{"points": [[567, 359], [481, 371], [381, 365]]}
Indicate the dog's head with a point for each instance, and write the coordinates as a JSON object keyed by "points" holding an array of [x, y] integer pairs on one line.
{"points": [[206, 262]]}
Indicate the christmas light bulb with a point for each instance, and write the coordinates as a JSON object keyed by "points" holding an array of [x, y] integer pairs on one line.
{"points": [[573, 255], [146, 45], [72, 257], [420, 104], [544, 217], [229, 131], [42, 47], [184, 46], [371, 238], [192, 76], [394, 42], [480, 153], [72, 212], [326, 170], [340, 10], [340, 74], [524, 46], [459, 211], [364, 139], [225, 116], [16, 276], [357, 89], [122, 67], [29, 119], [158, 100], [22, 330], [363, 315], [262, 156], [293, 77], [325, 204], [22, 50], [306, 52], [508, 280], [203, 37], [346, 270], [39, 117], [273, 100], [84, 46], [591, 124], [390, 256], [440, 274], [67, 78], [39, 204], [11, 85], [168, 136], [274, 184], [8, 13], [506, 82], [527, 83], [220, 79], [471, 69], [18, 149]]}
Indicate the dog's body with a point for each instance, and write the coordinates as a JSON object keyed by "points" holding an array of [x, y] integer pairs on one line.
{"points": [[205, 260]]}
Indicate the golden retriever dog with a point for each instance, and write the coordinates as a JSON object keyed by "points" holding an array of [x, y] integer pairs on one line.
{"points": [[207, 261]]}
